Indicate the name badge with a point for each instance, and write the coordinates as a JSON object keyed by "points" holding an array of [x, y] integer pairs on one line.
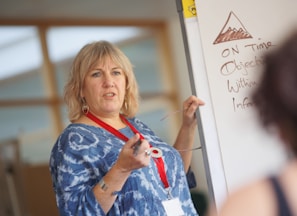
{"points": [[173, 207]]}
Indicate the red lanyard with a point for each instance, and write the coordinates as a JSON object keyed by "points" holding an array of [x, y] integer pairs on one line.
{"points": [[158, 161]]}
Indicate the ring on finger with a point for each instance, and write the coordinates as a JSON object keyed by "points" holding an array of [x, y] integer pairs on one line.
{"points": [[147, 152]]}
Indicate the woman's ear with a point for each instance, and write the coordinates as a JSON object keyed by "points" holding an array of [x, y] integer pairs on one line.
{"points": [[81, 94]]}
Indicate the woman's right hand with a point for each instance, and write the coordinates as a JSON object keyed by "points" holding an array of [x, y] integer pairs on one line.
{"points": [[128, 160]]}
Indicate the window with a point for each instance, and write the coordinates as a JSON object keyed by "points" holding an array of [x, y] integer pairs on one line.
{"points": [[31, 91]]}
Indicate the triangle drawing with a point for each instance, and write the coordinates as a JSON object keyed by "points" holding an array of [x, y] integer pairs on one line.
{"points": [[232, 30]]}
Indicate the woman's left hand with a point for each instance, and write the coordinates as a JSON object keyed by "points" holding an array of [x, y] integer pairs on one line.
{"points": [[190, 106]]}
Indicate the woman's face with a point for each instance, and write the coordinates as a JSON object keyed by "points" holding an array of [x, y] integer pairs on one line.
{"points": [[104, 88]]}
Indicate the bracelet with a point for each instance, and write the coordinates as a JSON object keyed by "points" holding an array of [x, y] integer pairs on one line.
{"points": [[104, 187]]}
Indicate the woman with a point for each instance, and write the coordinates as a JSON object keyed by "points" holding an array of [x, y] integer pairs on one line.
{"points": [[276, 103], [107, 162]]}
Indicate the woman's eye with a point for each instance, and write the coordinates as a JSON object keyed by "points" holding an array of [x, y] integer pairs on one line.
{"points": [[96, 74], [117, 73]]}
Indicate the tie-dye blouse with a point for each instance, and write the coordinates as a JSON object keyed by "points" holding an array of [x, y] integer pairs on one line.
{"points": [[83, 154]]}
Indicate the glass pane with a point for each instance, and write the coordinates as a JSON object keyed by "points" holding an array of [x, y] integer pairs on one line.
{"points": [[28, 125], [19, 120], [65, 42], [29, 85], [144, 56], [19, 50], [20, 53], [160, 128], [159, 116], [64, 115], [61, 71], [35, 147]]}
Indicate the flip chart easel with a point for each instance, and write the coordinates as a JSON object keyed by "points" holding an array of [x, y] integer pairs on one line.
{"points": [[224, 45]]}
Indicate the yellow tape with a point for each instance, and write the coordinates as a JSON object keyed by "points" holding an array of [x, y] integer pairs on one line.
{"points": [[189, 8]]}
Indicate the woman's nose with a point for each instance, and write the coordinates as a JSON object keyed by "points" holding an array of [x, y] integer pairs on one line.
{"points": [[108, 81]]}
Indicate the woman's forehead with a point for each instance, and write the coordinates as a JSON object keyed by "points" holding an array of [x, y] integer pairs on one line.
{"points": [[104, 61]]}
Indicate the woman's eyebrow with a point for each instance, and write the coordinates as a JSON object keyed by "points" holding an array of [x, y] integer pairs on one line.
{"points": [[116, 67]]}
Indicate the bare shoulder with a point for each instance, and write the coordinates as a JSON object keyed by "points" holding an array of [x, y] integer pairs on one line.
{"points": [[256, 198]]}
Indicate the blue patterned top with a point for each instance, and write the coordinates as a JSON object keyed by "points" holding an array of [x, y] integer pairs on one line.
{"points": [[83, 154]]}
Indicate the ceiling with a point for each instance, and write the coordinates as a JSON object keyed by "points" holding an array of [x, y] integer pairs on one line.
{"points": [[88, 9]]}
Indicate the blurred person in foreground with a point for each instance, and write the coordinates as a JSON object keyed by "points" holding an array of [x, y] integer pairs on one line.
{"points": [[276, 103], [107, 161]]}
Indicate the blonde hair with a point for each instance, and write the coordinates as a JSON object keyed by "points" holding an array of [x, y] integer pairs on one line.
{"points": [[89, 55]]}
